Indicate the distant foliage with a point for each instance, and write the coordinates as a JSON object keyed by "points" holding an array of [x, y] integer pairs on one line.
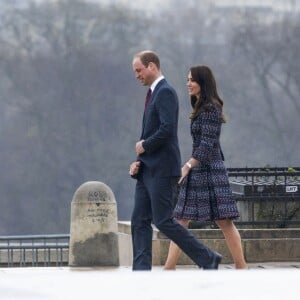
{"points": [[71, 109]]}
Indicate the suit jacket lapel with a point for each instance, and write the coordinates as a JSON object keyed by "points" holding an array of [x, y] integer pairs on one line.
{"points": [[153, 95]]}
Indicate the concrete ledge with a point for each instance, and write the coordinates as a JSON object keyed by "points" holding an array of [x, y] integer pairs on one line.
{"points": [[260, 245], [245, 233], [264, 250]]}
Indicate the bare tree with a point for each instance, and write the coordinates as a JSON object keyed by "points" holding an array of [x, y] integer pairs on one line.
{"points": [[66, 66], [273, 75]]}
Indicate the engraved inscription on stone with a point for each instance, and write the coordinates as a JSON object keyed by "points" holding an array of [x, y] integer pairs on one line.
{"points": [[98, 196], [98, 215]]}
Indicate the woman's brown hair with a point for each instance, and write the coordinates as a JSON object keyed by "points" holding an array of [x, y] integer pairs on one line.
{"points": [[208, 94]]}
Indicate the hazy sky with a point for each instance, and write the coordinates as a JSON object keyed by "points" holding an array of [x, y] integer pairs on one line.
{"points": [[152, 4]]}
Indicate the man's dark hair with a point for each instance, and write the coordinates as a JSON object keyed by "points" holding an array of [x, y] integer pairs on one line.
{"points": [[147, 57]]}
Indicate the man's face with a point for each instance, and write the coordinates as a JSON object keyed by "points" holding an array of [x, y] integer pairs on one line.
{"points": [[142, 73]]}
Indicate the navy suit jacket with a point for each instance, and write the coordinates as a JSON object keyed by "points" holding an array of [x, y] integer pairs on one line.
{"points": [[159, 132]]}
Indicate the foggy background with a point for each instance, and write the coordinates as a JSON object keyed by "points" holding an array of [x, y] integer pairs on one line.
{"points": [[71, 109]]}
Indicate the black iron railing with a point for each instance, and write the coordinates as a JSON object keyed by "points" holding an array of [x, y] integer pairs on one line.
{"points": [[267, 196], [34, 250]]}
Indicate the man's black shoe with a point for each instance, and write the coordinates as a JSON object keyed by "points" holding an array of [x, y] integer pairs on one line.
{"points": [[215, 262]]}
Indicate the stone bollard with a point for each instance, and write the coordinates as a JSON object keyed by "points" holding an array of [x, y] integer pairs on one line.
{"points": [[94, 226]]}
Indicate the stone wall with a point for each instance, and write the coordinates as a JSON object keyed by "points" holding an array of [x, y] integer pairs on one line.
{"points": [[260, 245]]}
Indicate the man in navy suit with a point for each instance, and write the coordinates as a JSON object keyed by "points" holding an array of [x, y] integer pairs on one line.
{"points": [[157, 170]]}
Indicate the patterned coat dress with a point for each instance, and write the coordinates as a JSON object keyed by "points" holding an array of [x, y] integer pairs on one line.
{"points": [[205, 193]]}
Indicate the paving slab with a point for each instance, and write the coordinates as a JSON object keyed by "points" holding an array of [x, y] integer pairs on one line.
{"points": [[262, 281]]}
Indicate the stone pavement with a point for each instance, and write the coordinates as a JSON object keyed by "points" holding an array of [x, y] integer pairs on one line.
{"points": [[262, 281]]}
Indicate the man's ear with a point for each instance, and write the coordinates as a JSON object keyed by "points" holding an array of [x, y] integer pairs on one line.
{"points": [[151, 66]]}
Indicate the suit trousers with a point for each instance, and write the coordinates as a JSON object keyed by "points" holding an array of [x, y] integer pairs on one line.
{"points": [[154, 203]]}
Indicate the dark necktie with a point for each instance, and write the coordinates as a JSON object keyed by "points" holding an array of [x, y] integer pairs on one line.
{"points": [[147, 99]]}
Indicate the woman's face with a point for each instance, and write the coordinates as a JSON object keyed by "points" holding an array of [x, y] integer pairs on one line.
{"points": [[194, 88]]}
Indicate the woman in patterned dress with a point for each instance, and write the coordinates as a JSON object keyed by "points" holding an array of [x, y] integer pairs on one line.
{"points": [[205, 193]]}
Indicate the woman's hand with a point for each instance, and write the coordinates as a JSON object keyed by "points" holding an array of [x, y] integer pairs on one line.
{"points": [[192, 162], [184, 171]]}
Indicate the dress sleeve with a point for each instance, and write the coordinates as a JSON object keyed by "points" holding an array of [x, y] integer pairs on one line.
{"points": [[210, 125]]}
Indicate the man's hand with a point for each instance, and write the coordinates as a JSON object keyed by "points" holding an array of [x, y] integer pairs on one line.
{"points": [[139, 149], [134, 168]]}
